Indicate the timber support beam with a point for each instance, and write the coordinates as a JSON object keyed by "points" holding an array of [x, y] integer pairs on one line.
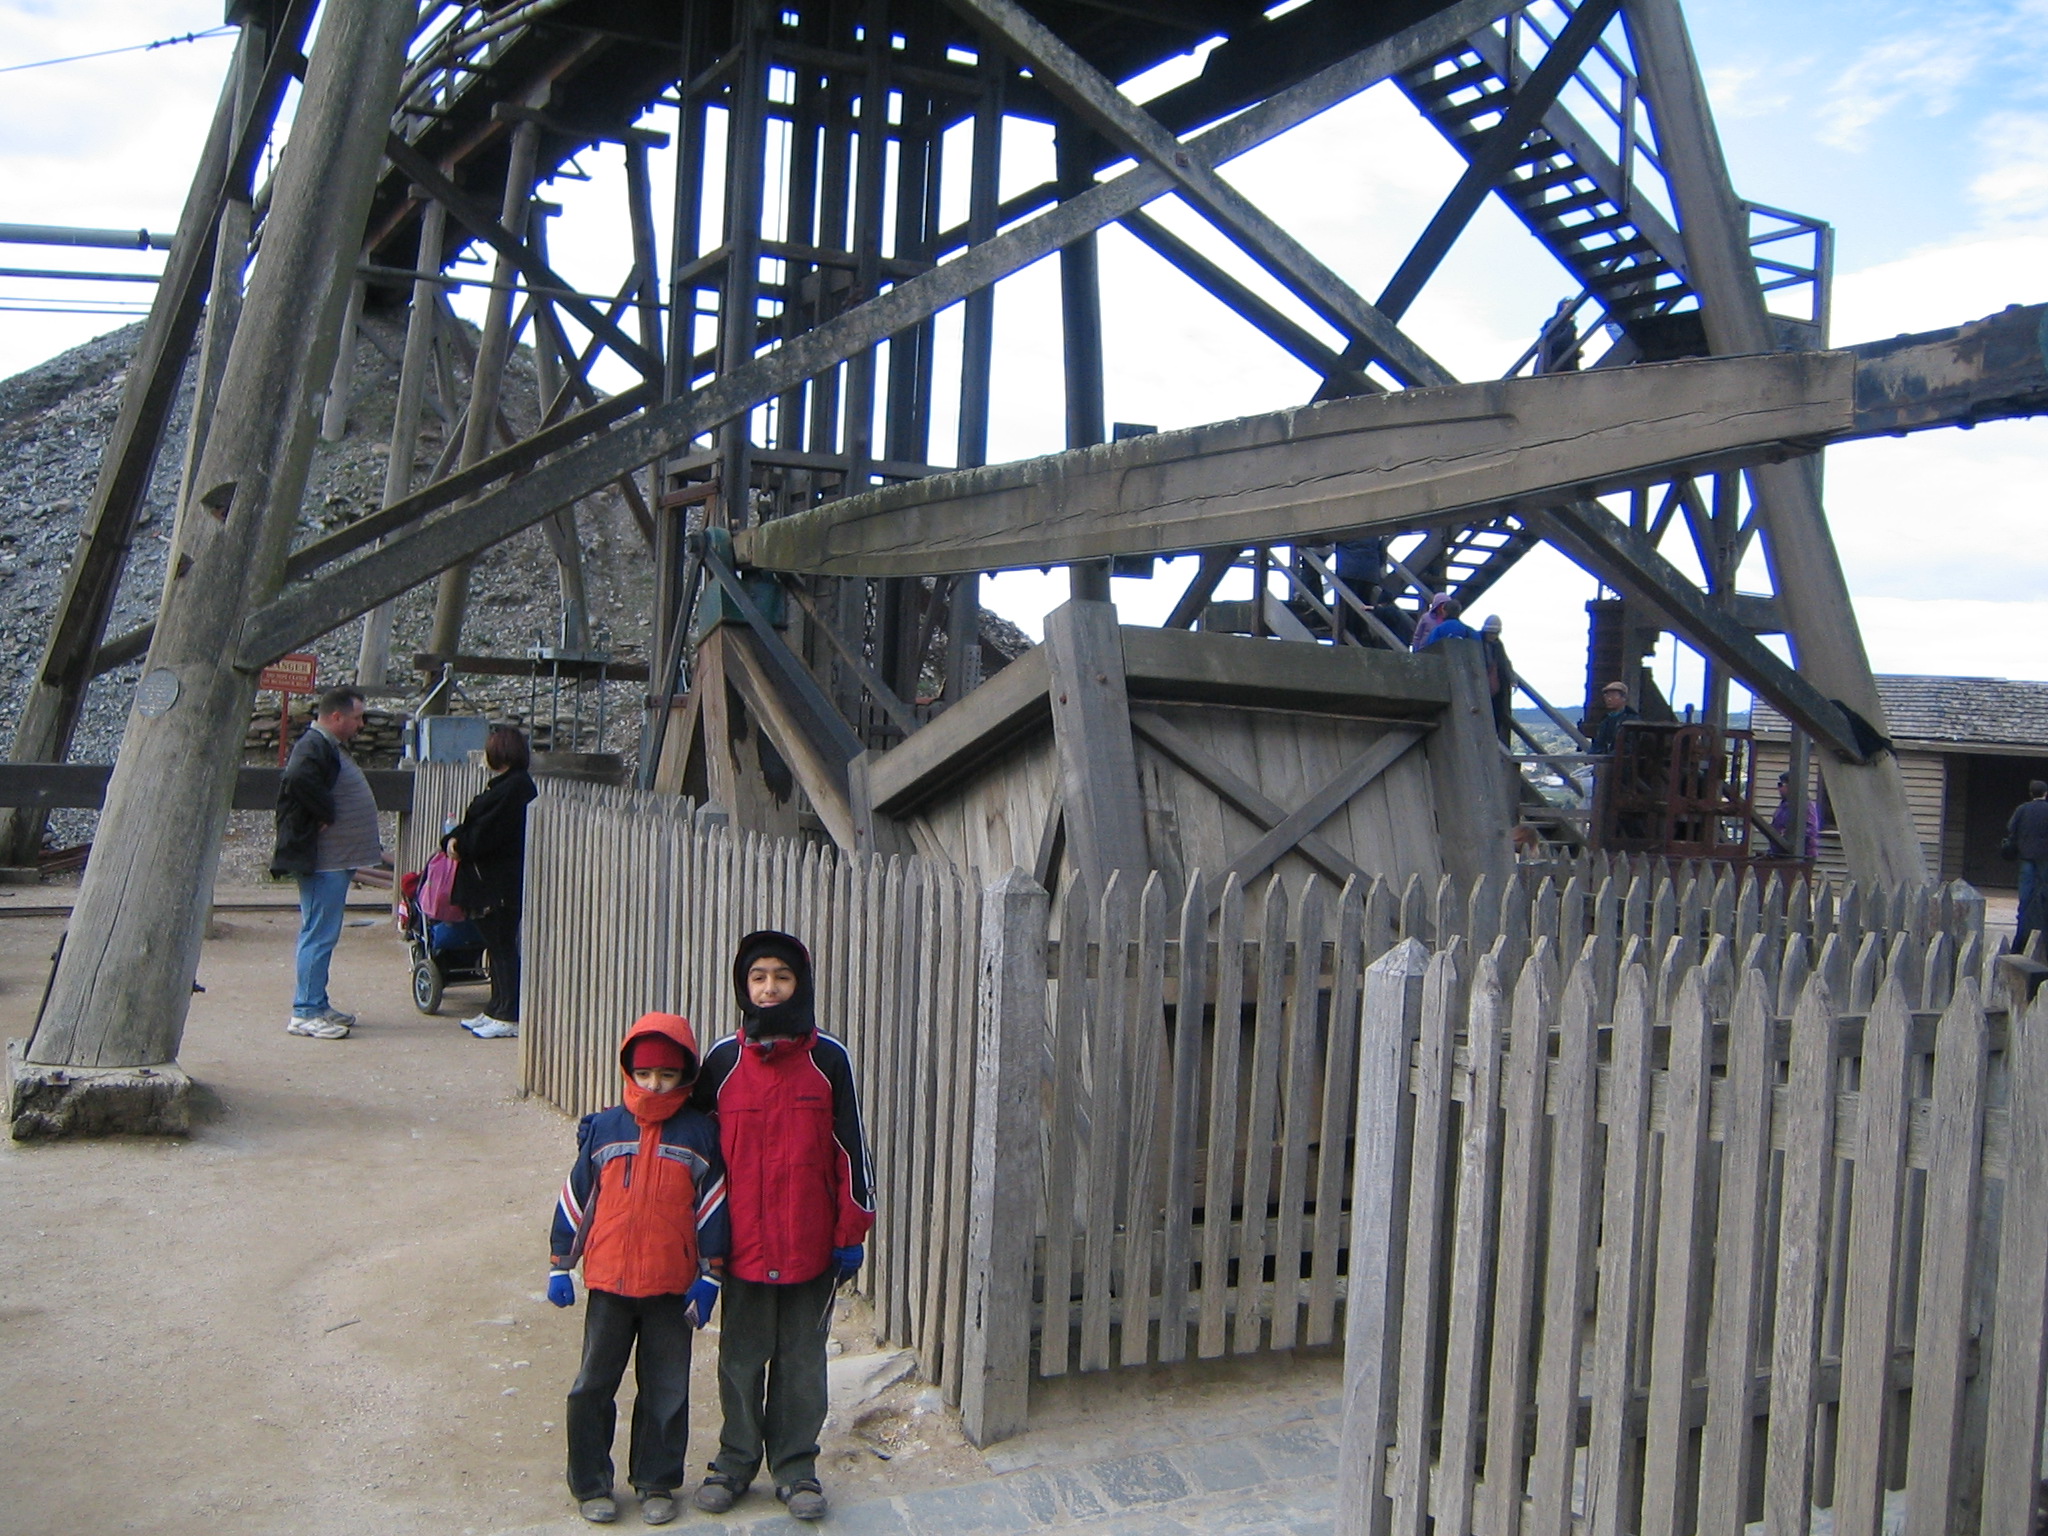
{"points": [[1418, 457]]}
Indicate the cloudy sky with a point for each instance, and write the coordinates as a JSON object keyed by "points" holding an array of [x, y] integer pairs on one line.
{"points": [[1920, 132]]}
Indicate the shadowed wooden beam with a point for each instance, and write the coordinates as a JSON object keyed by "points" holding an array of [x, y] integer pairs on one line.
{"points": [[312, 609], [1416, 457]]}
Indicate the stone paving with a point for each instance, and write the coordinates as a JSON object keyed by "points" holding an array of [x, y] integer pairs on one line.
{"points": [[1259, 1460]]}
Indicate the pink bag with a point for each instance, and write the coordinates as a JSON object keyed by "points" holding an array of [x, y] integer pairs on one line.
{"points": [[437, 891]]}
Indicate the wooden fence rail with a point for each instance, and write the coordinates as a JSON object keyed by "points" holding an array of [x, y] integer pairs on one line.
{"points": [[1681, 1263]]}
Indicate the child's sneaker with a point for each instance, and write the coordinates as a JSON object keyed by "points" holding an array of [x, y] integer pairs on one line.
{"points": [[804, 1498], [602, 1510], [657, 1508], [316, 1028], [716, 1495]]}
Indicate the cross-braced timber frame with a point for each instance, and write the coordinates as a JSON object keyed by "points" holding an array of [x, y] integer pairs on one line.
{"points": [[785, 345]]}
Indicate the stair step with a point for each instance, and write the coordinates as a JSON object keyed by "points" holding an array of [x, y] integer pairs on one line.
{"points": [[1436, 87], [1543, 147], [1456, 112], [1585, 229], [1560, 176], [1558, 207]]}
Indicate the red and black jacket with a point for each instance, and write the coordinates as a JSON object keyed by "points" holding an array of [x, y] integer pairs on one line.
{"points": [[645, 1204], [798, 1183]]}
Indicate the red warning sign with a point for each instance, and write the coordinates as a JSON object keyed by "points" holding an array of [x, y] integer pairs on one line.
{"points": [[291, 674]]}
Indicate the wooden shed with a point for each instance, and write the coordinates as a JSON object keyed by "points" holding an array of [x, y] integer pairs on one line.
{"points": [[1247, 756], [1968, 747]]}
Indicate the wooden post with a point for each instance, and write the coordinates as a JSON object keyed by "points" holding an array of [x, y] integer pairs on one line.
{"points": [[1869, 799], [1379, 1231], [1081, 335], [1091, 720], [487, 378], [334, 413], [120, 993], [373, 656], [997, 1352], [49, 715], [1469, 777]]}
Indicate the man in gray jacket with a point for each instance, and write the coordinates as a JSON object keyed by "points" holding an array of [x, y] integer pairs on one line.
{"points": [[2028, 830], [326, 831]]}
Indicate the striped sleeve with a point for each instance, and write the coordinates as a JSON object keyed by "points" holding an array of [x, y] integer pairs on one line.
{"points": [[572, 1205], [714, 1221]]}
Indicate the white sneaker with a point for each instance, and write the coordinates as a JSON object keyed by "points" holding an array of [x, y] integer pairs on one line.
{"points": [[496, 1029], [334, 1015], [476, 1023], [317, 1028]]}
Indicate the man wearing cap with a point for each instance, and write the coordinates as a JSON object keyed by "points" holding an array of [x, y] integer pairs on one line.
{"points": [[1614, 700]]}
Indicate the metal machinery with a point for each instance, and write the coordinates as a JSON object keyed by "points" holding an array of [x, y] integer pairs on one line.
{"points": [[1685, 791], [784, 334]]}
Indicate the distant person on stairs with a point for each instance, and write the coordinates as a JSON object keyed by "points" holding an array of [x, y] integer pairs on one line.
{"points": [[326, 831]]}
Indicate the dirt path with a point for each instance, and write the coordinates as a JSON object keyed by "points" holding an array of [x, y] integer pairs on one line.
{"points": [[323, 1313]]}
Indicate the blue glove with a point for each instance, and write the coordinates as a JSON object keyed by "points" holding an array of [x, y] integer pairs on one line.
{"points": [[849, 1259], [703, 1297], [562, 1288]]}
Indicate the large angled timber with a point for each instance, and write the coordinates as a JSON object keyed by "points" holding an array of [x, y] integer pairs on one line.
{"points": [[1878, 835], [123, 984], [49, 717], [1417, 457]]}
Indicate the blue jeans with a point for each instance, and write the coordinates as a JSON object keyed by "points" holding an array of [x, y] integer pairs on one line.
{"points": [[2033, 879], [321, 899]]}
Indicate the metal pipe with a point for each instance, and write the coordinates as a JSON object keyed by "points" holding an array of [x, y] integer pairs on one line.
{"points": [[62, 234], [83, 277]]}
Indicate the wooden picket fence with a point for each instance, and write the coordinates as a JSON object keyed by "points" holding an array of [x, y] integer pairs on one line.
{"points": [[1731, 1241], [1166, 1124], [1198, 1114]]}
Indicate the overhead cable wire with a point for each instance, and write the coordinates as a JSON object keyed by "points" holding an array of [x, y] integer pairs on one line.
{"points": [[107, 53]]}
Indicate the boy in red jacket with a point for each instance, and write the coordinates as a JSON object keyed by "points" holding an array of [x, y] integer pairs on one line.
{"points": [[644, 1208], [797, 1182]]}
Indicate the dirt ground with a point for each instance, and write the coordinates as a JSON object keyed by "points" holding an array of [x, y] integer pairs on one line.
{"points": [[323, 1312]]}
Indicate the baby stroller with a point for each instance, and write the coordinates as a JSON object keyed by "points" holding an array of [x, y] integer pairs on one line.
{"points": [[447, 951]]}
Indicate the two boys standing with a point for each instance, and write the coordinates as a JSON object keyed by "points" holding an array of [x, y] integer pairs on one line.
{"points": [[746, 1173]]}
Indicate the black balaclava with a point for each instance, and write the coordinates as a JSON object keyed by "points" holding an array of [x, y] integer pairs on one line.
{"points": [[792, 1017]]}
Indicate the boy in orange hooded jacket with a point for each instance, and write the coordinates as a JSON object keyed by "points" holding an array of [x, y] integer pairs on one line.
{"points": [[644, 1209]]}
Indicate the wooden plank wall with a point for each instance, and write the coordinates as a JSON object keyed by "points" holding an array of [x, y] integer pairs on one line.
{"points": [[1733, 1241], [1926, 775], [638, 901]]}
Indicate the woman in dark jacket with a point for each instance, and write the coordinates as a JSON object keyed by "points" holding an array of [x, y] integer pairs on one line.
{"points": [[490, 845]]}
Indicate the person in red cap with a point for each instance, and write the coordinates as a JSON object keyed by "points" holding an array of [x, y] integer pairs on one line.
{"points": [[644, 1209], [789, 1123]]}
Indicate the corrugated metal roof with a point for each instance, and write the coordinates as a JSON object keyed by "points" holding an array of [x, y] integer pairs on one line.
{"points": [[1970, 711]]}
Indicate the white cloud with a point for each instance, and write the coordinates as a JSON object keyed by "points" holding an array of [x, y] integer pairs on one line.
{"points": [[2014, 181], [1751, 90], [1924, 69], [1955, 637]]}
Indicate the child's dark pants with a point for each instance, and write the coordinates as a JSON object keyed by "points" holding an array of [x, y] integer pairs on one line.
{"points": [[661, 1410], [771, 1378]]}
